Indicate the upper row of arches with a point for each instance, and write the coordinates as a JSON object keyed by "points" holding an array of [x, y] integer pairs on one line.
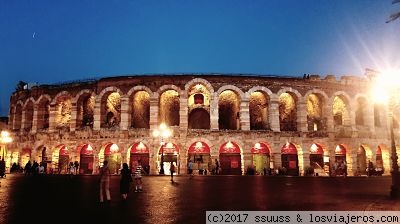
{"points": [[255, 109]]}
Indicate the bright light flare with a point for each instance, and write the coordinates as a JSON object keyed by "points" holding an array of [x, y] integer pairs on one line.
{"points": [[385, 80], [5, 137]]}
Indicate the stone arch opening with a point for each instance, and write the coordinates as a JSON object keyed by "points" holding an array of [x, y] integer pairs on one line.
{"points": [[63, 111], [228, 110], [111, 109], [60, 159], [86, 158], [169, 108], [316, 156], [199, 118], [198, 107], [28, 119], [315, 119], [230, 159], [43, 114], [361, 111], [258, 108], [17, 117], [140, 110], [288, 111], [200, 154], [261, 158], [111, 153], [290, 160], [340, 111], [340, 165], [167, 154], [85, 110], [139, 151]]}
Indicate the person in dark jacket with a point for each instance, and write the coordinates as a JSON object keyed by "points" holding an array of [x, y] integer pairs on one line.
{"points": [[125, 181]]}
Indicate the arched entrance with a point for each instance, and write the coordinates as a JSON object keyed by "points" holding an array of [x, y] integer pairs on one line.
{"points": [[112, 155], [199, 154], [25, 156], [316, 156], [229, 158], [290, 160], [60, 159], [171, 154], [86, 158], [139, 151], [361, 161], [261, 157], [340, 165]]}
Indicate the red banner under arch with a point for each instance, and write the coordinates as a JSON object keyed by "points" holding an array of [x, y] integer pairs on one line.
{"points": [[26, 151], [111, 148], [379, 151], [199, 148], [85, 149], [169, 148], [229, 147], [139, 147], [63, 150], [289, 148], [340, 150], [261, 148], [316, 149]]}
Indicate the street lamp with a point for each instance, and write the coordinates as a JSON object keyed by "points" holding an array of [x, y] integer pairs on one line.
{"points": [[385, 91], [5, 138], [162, 132]]}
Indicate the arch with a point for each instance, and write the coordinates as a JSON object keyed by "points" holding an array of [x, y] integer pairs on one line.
{"points": [[60, 159], [202, 81], [261, 148], [260, 89], [17, 121], [230, 158], [28, 118], [317, 91], [290, 159], [288, 110], [169, 107], [316, 117], [232, 88], [86, 158], [43, 111], [317, 157], [316, 148], [169, 147], [138, 147], [85, 104], [229, 110], [139, 88], [82, 93], [110, 106], [229, 147], [289, 90], [111, 148], [259, 103], [199, 118], [341, 108], [199, 147], [109, 89], [60, 94], [169, 87], [139, 108], [139, 151]]}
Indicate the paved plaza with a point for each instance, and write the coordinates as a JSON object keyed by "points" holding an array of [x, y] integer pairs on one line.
{"points": [[62, 199]]}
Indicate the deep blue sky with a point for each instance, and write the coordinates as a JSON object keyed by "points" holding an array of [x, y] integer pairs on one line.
{"points": [[52, 41]]}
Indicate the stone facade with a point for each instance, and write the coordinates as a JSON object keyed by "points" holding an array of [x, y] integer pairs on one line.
{"points": [[244, 109]]}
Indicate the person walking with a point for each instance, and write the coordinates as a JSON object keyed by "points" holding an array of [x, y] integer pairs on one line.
{"points": [[125, 181], [190, 168], [172, 171], [138, 177], [105, 182]]}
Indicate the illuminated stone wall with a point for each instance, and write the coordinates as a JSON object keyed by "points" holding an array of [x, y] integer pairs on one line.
{"points": [[243, 109]]}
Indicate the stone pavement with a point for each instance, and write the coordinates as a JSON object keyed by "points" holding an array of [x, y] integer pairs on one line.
{"points": [[61, 199]]}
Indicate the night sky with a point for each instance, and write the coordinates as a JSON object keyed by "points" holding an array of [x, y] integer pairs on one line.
{"points": [[54, 41]]}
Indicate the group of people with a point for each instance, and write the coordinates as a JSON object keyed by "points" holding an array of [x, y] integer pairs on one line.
{"points": [[35, 168], [125, 181]]}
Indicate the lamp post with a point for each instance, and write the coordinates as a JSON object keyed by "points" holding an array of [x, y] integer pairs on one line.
{"points": [[5, 138], [386, 81], [162, 132]]}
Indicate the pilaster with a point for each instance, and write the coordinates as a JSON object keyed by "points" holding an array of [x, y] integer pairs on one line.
{"points": [[244, 115], [124, 113], [274, 115]]}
